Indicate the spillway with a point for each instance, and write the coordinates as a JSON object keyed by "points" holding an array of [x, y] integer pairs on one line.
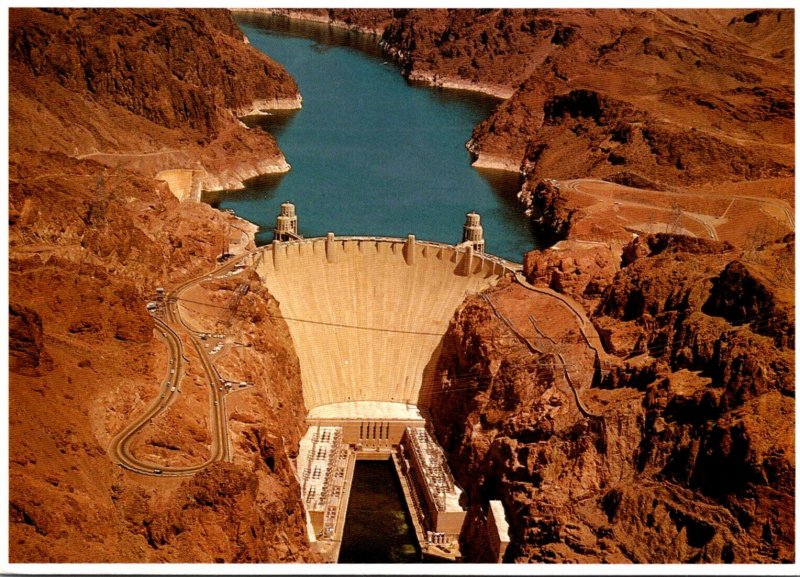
{"points": [[367, 316]]}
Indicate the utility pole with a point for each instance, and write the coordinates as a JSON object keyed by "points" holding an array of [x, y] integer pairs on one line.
{"points": [[238, 294]]}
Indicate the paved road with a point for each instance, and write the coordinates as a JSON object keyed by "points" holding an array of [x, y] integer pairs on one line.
{"points": [[131, 154], [587, 186], [119, 450]]}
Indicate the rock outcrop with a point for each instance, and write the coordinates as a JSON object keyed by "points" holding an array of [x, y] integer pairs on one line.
{"points": [[658, 427], [686, 450], [90, 238], [661, 99], [136, 89], [712, 103]]}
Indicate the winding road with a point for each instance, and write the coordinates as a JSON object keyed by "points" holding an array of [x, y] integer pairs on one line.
{"points": [[177, 334], [120, 448]]}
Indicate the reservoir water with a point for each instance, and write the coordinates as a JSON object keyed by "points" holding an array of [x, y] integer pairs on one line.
{"points": [[372, 154], [377, 528]]}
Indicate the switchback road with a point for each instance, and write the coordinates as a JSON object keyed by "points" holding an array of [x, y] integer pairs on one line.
{"points": [[120, 447]]}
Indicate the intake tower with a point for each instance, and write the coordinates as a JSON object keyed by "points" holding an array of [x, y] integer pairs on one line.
{"points": [[286, 223], [473, 232]]}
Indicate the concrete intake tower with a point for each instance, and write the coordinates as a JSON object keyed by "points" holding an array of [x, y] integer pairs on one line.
{"points": [[367, 316]]}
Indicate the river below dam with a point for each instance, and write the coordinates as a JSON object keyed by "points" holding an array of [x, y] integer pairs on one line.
{"points": [[372, 154], [377, 528]]}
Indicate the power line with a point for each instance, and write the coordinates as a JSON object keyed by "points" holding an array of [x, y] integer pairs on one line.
{"points": [[325, 323], [755, 321], [472, 381]]}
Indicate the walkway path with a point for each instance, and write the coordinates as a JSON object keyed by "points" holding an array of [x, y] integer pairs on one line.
{"points": [[586, 328]]}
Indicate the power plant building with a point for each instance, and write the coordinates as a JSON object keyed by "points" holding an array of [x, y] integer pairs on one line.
{"points": [[437, 497]]}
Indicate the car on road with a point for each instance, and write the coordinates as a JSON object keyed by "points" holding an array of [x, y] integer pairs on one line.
{"points": [[157, 471]]}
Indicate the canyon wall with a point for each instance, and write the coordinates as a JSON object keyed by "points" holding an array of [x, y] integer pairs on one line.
{"points": [[684, 449], [136, 89], [677, 444], [681, 100], [90, 238], [680, 97]]}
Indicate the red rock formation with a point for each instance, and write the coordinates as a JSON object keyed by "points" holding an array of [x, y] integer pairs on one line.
{"points": [[677, 446], [88, 244], [581, 270], [711, 102], [135, 89], [686, 453], [659, 99]]}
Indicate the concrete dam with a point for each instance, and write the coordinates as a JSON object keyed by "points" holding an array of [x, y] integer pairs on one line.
{"points": [[367, 316]]}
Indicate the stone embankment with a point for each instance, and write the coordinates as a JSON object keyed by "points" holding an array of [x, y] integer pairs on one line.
{"points": [[495, 162]]}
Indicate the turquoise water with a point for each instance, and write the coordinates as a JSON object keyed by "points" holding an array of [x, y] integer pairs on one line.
{"points": [[377, 528], [372, 154]]}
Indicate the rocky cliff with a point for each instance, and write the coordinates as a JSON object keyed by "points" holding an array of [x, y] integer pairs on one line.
{"points": [[679, 97], [677, 445], [90, 238], [657, 427], [660, 99], [136, 89], [684, 448]]}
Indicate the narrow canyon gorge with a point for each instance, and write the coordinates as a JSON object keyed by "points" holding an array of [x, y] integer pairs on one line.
{"points": [[625, 392]]}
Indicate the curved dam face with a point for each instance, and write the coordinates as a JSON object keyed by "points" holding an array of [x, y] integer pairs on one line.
{"points": [[367, 316]]}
